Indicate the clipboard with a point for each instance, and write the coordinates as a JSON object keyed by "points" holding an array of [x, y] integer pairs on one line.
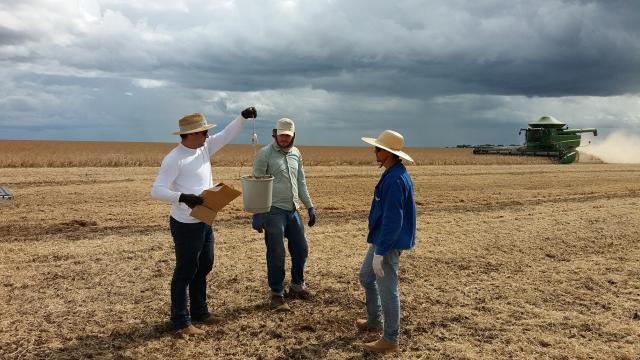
{"points": [[215, 199]]}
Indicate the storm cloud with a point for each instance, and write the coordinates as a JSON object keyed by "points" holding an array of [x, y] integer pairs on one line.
{"points": [[442, 72]]}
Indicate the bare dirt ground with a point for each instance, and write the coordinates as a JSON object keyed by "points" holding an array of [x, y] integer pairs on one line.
{"points": [[512, 261]]}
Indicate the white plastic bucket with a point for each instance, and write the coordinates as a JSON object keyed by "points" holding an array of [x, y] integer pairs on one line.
{"points": [[256, 193]]}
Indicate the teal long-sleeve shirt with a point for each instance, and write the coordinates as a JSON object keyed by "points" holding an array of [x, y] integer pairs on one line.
{"points": [[289, 184]]}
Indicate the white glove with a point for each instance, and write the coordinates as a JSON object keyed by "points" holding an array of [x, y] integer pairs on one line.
{"points": [[377, 265]]}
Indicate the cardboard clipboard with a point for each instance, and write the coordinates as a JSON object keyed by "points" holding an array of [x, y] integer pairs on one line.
{"points": [[215, 199]]}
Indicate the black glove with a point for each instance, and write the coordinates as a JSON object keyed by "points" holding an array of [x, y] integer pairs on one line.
{"points": [[256, 222], [249, 113], [312, 216], [191, 200]]}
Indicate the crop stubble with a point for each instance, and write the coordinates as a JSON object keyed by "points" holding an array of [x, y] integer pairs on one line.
{"points": [[511, 261]]}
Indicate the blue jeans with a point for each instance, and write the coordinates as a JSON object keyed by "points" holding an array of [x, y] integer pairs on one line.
{"points": [[278, 224], [381, 293], [194, 260]]}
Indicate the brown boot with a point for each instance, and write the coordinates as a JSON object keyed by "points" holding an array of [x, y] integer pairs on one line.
{"points": [[277, 304], [189, 330], [363, 325], [210, 320], [381, 346], [303, 294]]}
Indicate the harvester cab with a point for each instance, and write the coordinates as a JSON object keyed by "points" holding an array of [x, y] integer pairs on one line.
{"points": [[545, 137]]}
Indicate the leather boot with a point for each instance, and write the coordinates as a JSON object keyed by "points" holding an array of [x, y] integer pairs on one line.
{"points": [[302, 294], [210, 320], [363, 325], [381, 346], [277, 304], [189, 330]]}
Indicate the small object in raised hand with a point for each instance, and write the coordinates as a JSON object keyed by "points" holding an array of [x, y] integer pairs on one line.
{"points": [[249, 113]]}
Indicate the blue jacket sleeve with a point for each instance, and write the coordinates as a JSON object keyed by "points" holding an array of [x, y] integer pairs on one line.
{"points": [[392, 214]]}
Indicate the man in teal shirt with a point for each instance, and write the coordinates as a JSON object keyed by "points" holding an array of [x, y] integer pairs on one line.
{"points": [[283, 161]]}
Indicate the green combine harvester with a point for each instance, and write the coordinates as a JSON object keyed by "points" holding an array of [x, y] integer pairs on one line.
{"points": [[545, 137]]}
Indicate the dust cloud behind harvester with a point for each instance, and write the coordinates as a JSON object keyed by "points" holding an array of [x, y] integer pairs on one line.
{"points": [[617, 148]]}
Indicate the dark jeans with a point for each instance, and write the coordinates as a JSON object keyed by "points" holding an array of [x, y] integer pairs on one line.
{"points": [[278, 224], [194, 260]]}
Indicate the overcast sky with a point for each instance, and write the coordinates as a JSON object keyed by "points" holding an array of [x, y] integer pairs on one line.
{"points": [[442, 72]]}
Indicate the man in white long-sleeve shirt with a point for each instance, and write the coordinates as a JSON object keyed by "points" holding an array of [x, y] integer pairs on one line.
{"points": [[184, 174]]}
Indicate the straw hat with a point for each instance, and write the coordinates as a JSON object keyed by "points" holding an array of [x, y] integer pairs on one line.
{"points": [[391, 141], [285, 126], [193, 123]]}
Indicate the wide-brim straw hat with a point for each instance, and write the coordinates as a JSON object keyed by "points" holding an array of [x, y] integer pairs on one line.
{"points": [[193, 123], [391, 141]]}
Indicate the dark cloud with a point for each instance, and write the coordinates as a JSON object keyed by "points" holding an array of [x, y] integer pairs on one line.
{"points": [[12, 37], [445, 72], [552, 48]]}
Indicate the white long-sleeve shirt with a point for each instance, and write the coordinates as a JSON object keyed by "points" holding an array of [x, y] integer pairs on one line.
{"points": [[188, 171]]}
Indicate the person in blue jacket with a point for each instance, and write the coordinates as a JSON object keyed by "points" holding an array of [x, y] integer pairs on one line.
{"points": [[392, 229]]}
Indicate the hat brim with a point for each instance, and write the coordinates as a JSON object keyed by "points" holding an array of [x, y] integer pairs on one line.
{"points": [[284, 132], [374, 142], [201, 128]]}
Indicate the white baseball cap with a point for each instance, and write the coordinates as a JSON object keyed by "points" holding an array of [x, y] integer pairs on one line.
{"points": [[285, 126]]}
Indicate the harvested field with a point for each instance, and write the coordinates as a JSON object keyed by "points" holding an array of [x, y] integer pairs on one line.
{"points": [[512, 261], [131, 154]]}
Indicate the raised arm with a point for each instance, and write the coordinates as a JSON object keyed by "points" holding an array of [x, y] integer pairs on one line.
{"points": [[222, 138]]}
